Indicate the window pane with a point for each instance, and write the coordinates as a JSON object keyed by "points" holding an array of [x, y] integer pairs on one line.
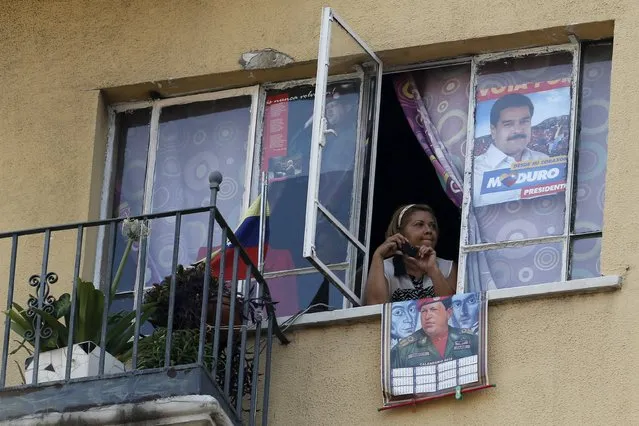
{"points": [[132, 148], [297, 292], [592, 142], [515, 266], [586, 253], [194, 140], [522, 124], [285, 158]]}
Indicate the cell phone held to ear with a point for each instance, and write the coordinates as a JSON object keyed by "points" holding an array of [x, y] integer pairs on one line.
{"points": [[409, 250]]}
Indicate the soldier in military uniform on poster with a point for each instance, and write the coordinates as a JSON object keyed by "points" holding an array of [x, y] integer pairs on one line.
{"points": [[435, 341]]}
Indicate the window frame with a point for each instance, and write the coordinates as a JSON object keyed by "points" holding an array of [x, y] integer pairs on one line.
{"points": [[156, 105], [568, 236], [313, 204], [349, 265]]}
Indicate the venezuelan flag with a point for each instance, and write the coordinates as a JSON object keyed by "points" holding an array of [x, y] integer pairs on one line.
{"points": [[248, 235]]}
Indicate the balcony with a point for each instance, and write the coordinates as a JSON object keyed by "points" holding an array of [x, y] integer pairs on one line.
{"points": [[194, 347]]}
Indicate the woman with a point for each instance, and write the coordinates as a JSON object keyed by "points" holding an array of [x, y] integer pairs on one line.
{"points": [[398, 274]]}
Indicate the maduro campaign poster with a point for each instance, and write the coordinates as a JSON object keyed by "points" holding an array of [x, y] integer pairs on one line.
{"points": [[522, 132], [432, 346]]}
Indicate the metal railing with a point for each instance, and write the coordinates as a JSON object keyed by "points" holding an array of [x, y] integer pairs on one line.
{"points": [[230, 348]]}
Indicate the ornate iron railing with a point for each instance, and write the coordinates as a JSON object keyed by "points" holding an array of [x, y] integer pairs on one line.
{"points": [[230, 344]]}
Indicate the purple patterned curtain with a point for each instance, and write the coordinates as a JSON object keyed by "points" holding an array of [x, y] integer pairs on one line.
{"points": [[428, 136]]}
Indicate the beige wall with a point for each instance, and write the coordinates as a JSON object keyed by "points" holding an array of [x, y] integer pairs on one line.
{"points": [[559, 361]]}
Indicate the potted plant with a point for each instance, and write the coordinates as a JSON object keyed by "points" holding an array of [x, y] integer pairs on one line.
{"points": [[188, 300], [186, 326], [55, 321]]}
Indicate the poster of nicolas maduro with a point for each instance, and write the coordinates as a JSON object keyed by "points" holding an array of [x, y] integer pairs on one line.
{"points": [[522, 133]]}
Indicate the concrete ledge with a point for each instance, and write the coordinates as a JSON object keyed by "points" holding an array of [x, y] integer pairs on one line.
{"points": [[586, 285], [132, 389], [503, 295], [188, 409]]}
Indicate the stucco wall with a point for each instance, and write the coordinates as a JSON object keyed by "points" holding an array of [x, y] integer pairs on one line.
{"points": [[557, 361]]}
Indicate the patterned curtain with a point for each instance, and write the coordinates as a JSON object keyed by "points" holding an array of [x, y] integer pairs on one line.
{"points": [[428, 136]]}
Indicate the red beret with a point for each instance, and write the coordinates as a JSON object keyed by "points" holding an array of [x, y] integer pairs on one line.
{"points": [[444, 300]]}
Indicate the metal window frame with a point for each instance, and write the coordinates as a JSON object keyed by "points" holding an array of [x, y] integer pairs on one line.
{"points": [[106, 199], [465, 248], [259, 144], [319, 126]]}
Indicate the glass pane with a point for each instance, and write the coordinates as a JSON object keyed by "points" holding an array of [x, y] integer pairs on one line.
{"points": [[515, 267], [295, 293], [522, 124], [132, 148], [592, 142], [194, 140], [342, 112], [285, 158], [585, 262]]}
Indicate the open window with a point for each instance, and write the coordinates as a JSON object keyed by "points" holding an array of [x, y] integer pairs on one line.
{"points": [[551, 230], [337, 200]]}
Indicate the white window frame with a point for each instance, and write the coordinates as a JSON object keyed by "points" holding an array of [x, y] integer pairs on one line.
{"points": [[349, 265], [568, 236], [106, 200], [317, 142]]}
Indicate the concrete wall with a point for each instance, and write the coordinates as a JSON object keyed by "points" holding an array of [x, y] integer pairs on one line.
{"points": [[559, 361]]}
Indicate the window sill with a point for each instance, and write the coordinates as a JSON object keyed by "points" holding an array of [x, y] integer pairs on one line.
{"points": [[364, 313]]}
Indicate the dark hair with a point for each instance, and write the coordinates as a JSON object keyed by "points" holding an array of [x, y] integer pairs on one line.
{"points": [[512, 100]]}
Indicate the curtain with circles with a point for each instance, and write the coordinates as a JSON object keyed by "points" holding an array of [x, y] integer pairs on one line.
{"points": [[193, 140]]}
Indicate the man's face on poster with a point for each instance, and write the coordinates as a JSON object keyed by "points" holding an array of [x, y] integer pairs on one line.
{"points": [[434, 318], [404, 319], [512, 133], [465, 309]]}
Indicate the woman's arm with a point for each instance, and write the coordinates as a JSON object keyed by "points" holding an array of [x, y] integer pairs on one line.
{"points": [[376, 285], [427, 263], [443, 286], [452, 277]]}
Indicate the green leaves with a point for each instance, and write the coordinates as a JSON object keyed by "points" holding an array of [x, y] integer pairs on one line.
{"points": [[88, 322]]}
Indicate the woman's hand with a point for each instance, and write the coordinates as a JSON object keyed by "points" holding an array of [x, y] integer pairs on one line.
{"points": [[391, 246], [426, 261]]}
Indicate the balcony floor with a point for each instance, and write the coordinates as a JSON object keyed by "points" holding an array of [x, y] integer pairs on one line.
{"points": [[128, 388]]}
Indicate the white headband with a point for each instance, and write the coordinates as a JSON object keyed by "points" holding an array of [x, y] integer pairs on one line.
{"points": [[401, 214]]}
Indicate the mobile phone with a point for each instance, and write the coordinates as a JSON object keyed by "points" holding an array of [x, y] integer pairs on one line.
{"points": [[409, 250]]}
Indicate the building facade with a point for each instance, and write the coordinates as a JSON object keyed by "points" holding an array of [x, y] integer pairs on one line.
{"points": [[98, 95]]}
